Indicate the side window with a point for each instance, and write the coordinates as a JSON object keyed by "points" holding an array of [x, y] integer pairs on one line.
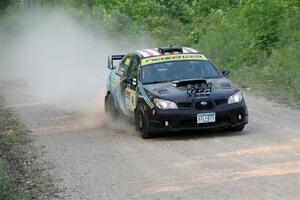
{"points": [[122, 71], [133, 68]]}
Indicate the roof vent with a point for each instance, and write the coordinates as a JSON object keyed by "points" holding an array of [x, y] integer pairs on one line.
{"points": [[170, 48]]}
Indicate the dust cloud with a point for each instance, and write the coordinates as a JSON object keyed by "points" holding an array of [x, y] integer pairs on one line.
{"points": [[62, 59]]}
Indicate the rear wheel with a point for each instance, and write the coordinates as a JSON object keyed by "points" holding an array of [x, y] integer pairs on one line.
{"points": [[109, 106], [142, 124]]}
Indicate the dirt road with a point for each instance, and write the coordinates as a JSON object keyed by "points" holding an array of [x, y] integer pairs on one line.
{"points": [[96, 162]]}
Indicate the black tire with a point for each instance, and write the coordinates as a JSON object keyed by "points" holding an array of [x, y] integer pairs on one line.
{"points": [[109, 107], [237, 128], [142, 124]]}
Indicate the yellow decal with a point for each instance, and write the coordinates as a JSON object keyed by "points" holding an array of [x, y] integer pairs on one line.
{"points": [[173, 57], [130, 99], [127, 61]]}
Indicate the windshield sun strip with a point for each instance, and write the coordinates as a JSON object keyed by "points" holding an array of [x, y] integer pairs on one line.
{"points": [[172, 57]]}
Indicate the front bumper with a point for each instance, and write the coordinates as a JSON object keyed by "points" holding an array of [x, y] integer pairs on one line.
{"points": [[229, 115]]}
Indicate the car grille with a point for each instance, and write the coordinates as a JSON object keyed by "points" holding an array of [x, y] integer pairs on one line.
{"points": [[199, 106]]}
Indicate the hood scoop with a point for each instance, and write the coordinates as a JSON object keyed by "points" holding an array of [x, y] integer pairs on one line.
{"points": [[194, 87]]}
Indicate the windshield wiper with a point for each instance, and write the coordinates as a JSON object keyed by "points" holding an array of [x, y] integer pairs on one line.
{"points": [[154, 82]]}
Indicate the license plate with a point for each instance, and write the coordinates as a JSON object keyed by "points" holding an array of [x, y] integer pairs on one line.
{"points": [[206, 118]]}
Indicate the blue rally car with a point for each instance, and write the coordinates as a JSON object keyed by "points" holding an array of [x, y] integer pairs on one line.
{"points": [[173, 89]]}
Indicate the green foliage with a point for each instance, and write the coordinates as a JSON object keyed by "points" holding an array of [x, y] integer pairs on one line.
{"points": [[205, 7], [283, 71], [262, 18], [256, 38], [140, 9], [228, 42], [178, 9], [4, 4]]}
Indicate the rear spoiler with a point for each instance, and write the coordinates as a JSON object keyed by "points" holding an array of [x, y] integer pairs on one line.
{"points": [[110, 61]]}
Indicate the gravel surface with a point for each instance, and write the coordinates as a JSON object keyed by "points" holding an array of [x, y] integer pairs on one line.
{"points": [[111, 161]]}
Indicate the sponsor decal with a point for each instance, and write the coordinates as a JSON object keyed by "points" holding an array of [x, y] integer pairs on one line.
{"points": [[130, 98], [127, 61], [172, 57]]}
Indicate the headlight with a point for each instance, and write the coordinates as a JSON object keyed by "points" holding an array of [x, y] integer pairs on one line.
{"points": [[164, 104], [235, 98]]}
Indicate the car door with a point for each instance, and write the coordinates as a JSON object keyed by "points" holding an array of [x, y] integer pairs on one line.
{"points": [[122, 84], [131, 85]]}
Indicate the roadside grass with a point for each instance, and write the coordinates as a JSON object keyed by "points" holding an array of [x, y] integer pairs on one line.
{"points": [[6, 184], [21, 176], [253, 80], [13, 132]]}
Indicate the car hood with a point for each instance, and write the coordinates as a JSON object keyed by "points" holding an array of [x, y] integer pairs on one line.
{"points": [[222, 88]]}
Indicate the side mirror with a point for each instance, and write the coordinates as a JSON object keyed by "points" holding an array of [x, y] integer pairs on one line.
{"points": [[110, 64], [131, 81], [225, 72]]}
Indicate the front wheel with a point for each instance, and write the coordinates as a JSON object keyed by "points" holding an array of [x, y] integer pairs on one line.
{"points": [[142, 124]]}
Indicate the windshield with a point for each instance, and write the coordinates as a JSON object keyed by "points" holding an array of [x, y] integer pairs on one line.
{"points": [[178, 70]]}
